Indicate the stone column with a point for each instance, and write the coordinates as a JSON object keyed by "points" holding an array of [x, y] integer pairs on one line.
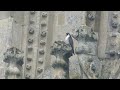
{"points": [[62, 52], [14, 59], [103, 35]]}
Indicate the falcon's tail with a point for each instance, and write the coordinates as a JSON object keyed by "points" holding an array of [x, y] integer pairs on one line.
{"points": [[73, 51]]}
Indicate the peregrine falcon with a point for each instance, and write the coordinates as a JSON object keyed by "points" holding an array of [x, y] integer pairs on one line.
{"points": [[69, 40]]}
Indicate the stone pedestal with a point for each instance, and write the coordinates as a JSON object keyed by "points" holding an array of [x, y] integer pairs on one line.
{"points": [[62, 52], [14, 59]]}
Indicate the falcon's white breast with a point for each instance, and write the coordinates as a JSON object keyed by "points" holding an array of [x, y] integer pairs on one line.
{"points": [[67, 39]]}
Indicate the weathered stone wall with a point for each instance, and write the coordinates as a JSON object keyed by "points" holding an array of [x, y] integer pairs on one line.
{"points": [[14, 31]]}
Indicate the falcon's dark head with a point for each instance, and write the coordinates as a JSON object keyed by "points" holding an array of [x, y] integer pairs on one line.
{"points": [[67, 34]]}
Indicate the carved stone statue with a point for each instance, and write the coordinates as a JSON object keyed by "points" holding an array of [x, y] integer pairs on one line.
{"points": [[62, 52], [14, 59], [86, 52]]}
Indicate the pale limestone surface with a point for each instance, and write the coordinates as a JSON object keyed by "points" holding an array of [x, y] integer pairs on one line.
{"points": [[4, 14]]}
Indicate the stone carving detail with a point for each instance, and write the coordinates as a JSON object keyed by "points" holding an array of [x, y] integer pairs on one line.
{"points": [[86, 52], [30, 40], [44, 14], [91, 15], [113, 33], [29, 59], [114, 24], [114, 20], [40, 70], [43, 23], [32, 22], [32, 12], [42, 42], [31, 31], [27, 76], [43, 34], [28, 67], [30, 48], [40, 61], [14, 58], [41, 51], [62, 53]]}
